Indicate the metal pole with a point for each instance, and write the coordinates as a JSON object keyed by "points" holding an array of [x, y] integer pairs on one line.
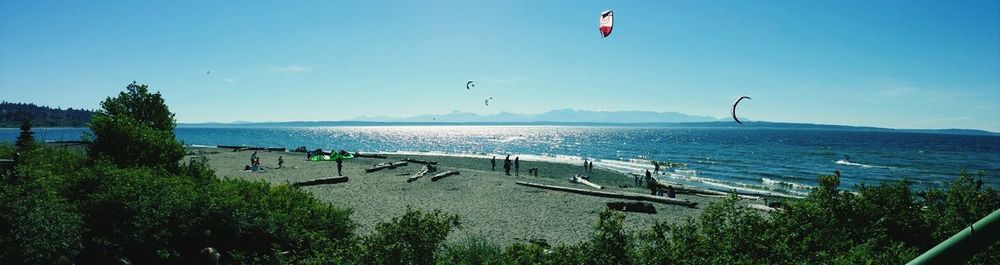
{"points": [[961, 246]]}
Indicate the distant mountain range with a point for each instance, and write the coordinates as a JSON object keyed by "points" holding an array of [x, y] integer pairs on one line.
{"points": [[560, 115], [568, 117]]}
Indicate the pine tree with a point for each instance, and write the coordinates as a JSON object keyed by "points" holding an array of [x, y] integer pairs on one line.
{"points": [[26, 140]]}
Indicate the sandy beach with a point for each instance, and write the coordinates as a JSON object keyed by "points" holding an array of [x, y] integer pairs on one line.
{"points": [[490, 204]]}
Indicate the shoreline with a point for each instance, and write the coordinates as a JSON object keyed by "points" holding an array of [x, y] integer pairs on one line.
{"points": [[490, 204], [626, 168]]}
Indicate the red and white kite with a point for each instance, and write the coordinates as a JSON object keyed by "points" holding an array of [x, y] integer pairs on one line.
{"points": [[607, 22]]}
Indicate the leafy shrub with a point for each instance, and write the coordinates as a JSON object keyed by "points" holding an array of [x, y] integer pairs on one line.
{"points": [[148, 218], [609, 244], [520, 253], [259, 218], [36, 226], [410, 239], [471, 251]]}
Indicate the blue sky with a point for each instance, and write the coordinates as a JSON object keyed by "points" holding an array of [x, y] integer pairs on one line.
{"points": [[900, 64]]}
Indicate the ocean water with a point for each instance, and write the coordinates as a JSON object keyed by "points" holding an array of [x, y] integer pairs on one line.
{"points": [[781, 161]]}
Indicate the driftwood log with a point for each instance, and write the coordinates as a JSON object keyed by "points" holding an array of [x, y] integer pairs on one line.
{"points": [[581, 180], [443, 175], [381, 166], [417, 161], [761, 207], [330, 180], [251, 148], [356, 154], [616, 195], [421, 173], [638, 207], [681, 189]]}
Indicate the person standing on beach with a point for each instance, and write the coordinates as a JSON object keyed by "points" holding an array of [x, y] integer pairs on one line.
{"points": [[506, 165], [650, 183], [281, 161], [656, 167], [493, 163], [253, 157], [340, 164], [517, 166]]}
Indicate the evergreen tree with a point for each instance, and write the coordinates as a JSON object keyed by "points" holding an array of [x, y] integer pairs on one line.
{"points": [[26, 140]]}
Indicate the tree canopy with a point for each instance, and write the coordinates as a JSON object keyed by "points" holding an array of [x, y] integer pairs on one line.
{"points": [[12, 114], [136, 129]]}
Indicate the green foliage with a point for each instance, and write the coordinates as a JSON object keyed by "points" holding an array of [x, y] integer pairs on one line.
{"points": [[883, 224], [610, 243], [12, 114], [135, 129], [149, 219], [410, 239], [258, 218], [36, 225], [519, 253], [63, 210], [197, 167], [137, 103], [962, 204], [472, 251], [26, 139]]}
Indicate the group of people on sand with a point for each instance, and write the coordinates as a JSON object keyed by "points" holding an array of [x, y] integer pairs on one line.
{"points": [[507, 165], [588, 166], [654, 186], [254, 165]]}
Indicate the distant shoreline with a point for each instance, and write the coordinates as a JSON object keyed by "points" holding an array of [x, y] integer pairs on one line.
{"points": [[687, 125], [714, 125]]}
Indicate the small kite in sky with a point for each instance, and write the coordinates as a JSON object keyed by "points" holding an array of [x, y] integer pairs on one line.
{"points": [[469, 85], [488, 101], [734, 108]]}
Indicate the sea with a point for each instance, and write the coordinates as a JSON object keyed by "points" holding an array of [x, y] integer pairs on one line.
{"points": [[780, 162]]}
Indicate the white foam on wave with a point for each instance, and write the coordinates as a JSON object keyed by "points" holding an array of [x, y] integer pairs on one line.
{"points": [[202, 146], [633, 166], [849, 163], [508, 139], [792, 185]]}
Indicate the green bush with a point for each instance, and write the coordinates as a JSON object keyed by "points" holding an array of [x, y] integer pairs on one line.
{"points": [[258, 218], [36, 225], [410, 239], [610, 244], [520, 253], [100, 213], [472, 251], [881, 224]]}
